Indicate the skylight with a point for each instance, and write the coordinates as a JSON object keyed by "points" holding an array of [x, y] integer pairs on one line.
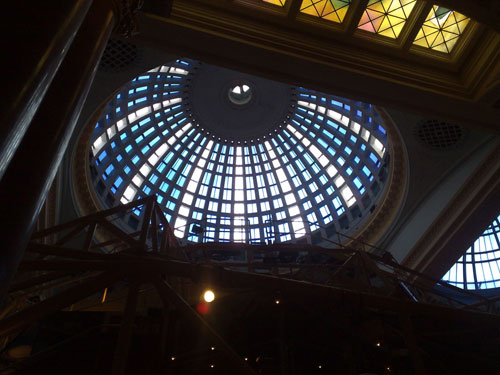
{"points": [[441, 29], [319, 169], [331, 10], [386, 17], [479, 267]]}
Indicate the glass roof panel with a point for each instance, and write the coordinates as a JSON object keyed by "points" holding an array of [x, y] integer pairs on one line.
{"points": [[276, 2], [386, 17], [479, 267], [441, 29], [331, 10], [321, 168]]}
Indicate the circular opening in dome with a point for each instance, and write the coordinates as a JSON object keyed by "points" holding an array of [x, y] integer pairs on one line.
{"points": [[240, 94]]}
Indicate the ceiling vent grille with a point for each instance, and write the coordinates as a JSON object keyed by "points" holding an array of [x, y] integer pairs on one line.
{"points": [[439, 135], [118, 56]]}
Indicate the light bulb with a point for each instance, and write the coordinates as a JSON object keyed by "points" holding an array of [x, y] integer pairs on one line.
{"points": [[208, 296]]}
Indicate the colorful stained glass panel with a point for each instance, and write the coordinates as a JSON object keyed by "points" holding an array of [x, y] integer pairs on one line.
{"points": [[281, 3], [441, 29], [386, 17], [331, 10]]}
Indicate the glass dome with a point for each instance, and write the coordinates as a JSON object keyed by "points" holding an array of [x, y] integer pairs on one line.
{"points": [[479, 267], [291, 164]]}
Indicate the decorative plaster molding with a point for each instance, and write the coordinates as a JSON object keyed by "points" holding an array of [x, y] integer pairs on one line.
{"points": [[85, 197], [395, 188]]}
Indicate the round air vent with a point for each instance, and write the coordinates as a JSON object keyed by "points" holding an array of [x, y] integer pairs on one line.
{"points": [[439, 135], [118, 56]]}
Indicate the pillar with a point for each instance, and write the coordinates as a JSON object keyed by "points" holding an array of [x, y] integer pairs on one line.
{"points": [[27, 179], [37, 36]]}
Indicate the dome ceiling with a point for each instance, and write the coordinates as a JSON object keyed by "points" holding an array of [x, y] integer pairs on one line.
{"points": [[233, 157], [236, 106]]}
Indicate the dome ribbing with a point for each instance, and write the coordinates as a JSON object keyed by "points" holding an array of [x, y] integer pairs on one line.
{"points": [[318, 166]]}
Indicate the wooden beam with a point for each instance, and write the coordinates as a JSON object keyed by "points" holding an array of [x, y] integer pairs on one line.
{"points": [[26, 284], [154, 233], [121, 234], [170, 239], [294, 9], [170, 297], [65, 252], [90, 235], [146, 218], [126, 331], [411, 341], [58, 302], [78, 228], [66, 265], [355, 298], [423, 10], [91, 218], [355, 12]]}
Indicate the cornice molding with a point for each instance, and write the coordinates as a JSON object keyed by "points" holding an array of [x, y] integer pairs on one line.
{"points": [[387, 72], [332, 49], [86, 200]]}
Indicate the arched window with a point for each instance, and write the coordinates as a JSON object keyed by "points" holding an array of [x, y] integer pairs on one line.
{"points": [[479, 267]]}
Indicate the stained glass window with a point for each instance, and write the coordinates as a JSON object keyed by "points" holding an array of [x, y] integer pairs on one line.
{"points": [[479, 267], [276, 2], [441, 29], [321, 169], [332, 10], [386, 17]]}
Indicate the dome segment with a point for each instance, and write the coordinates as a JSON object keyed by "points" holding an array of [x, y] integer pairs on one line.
{"points": [[317, 167], [235, 106]]}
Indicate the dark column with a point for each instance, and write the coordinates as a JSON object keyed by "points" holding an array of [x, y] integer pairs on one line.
{"points": [[36, 37], [29, 175]]}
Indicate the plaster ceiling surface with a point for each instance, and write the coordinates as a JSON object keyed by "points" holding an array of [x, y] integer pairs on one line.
{"points": [[209, 101]]}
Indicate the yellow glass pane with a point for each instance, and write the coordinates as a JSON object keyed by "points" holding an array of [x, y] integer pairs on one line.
{"points": [[281, 3], [441, 29], [420, 40], [385, 25], [440, 47], [386, 17], [331, 10]]}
